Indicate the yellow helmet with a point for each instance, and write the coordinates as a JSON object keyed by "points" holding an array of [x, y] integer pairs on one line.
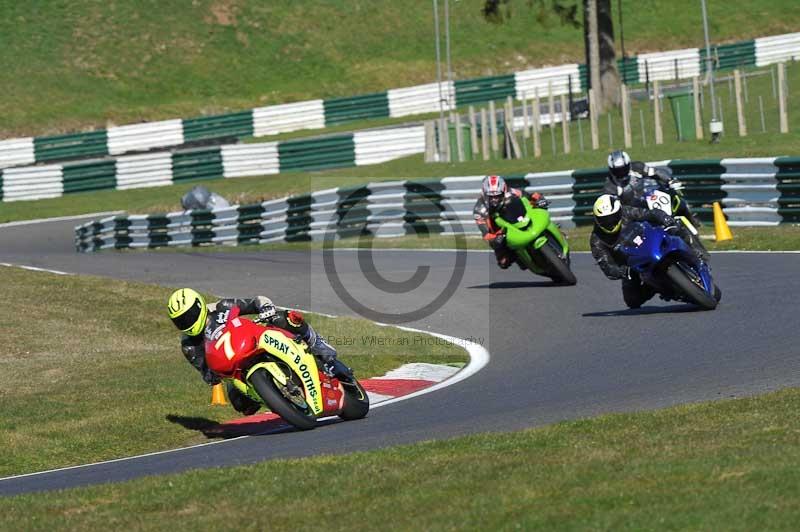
{"points": [[187, 310], [607, 212]]}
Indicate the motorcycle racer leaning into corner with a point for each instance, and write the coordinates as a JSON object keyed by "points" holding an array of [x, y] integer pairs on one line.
{"points": [[610, 218], [199, 321], [495, 193], [626, 181]]}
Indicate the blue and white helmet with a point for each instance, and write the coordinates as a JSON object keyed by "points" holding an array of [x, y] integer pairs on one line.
{"points": [[619, 168]]}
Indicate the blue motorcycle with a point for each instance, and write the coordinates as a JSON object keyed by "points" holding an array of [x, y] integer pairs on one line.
{"points": [[667, 264]]}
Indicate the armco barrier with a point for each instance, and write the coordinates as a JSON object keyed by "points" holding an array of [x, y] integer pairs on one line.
{"points": [[762, 191], [235, 160], [315, 114]]}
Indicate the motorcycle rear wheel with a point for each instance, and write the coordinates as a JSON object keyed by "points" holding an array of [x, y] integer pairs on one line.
{"points": [[558, 269], [684, 285], [356, 401], [265, 386]]}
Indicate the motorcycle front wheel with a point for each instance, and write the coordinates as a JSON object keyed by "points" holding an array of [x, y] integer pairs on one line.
{"points": [[557, 269], [689, 284], [264, 384]]}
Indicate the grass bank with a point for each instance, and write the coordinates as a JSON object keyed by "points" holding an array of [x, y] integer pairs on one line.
{"points": [[728, 465], [91, 370], [71, 66]]}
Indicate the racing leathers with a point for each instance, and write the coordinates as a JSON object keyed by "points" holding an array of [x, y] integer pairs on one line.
{"points": [[631, 193], [193, 347], [495, 235], [613, 263]]}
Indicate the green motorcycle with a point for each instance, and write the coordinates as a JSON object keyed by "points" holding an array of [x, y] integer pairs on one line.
{"points": [[536, 240]]}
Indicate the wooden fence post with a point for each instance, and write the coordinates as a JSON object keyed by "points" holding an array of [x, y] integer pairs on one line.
{"points": [[459, 139], [484, 134], [784, 117], [593, 120], [493, 127], [444, 141], [473, 132], [626, 116], [657, 112], [536, 127], [737, 79], [430, 142], [698, 118], [565, 123]]}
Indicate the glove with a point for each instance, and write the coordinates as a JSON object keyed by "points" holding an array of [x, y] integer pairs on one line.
{"points": [[539, 201], [675, 185], [266, 313]]}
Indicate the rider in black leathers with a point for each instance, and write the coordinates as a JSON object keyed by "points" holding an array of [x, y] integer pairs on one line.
{"points": [[626, 181], [611, 217]]}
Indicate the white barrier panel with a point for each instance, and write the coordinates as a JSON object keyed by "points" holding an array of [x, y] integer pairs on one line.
{"points": [[240, 160], [421, 99], [662, 65], [16, 152], [142, 171], [378, 146], [140, 137], [528, 82], [288, 117], [33, 182], [777, 49]]}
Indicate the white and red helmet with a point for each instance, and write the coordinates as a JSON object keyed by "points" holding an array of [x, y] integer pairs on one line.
{"points": [[493, 190]]}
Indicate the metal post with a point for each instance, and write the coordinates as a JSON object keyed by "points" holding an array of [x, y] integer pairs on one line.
{"points": [[715, 126], [447, 45], [438, 66]]}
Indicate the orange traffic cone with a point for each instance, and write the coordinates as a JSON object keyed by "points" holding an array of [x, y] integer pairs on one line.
{"points": [[721, 228], [218, 395]]}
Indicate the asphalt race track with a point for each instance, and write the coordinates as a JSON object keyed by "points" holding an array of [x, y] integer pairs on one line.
{"points": [[556, 352]]}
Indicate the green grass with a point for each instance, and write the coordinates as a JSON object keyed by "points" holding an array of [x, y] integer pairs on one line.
{"points": [[70, 66], [91, 369], [256, 189], [727, 465]]}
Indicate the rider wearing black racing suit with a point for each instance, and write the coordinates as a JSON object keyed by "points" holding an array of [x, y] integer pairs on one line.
{"points": [[611, 217], [495, 194], [200, 321], [626, 181]]}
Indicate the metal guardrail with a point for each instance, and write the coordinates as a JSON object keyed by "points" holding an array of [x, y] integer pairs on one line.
{"points": [[760, 191], [406, 101]]}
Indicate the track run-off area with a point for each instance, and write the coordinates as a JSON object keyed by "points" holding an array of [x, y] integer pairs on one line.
{"points": [[556, 352]]}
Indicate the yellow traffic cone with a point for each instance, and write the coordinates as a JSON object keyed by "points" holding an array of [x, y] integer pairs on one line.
{"points": [[721, 228], [218, 395]]}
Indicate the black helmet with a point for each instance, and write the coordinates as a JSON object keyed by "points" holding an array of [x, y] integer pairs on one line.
{"points": [[607, 212], [493, 190], [619, 168]]}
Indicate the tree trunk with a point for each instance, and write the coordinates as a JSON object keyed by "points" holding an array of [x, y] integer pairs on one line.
{"points": [[601, 63], [609, 74]]}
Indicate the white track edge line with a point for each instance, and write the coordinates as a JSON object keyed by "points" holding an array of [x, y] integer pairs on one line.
{"points": [[58, 219], [478, 358], [33, 268]]}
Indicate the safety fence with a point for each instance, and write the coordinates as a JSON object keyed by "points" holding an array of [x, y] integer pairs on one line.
{"points": [[407, 101], [235, 160], [761, 191]]}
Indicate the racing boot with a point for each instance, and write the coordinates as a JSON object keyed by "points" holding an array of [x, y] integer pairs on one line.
{"points": [[327, 354], [240, 402]]}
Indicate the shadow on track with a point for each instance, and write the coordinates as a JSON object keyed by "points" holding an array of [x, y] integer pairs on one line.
{"points": [[644, 311], [214, 430], [502, 285], [256, 425]]}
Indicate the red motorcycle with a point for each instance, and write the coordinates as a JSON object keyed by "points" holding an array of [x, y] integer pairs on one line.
{"points": [[272, 367]]}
